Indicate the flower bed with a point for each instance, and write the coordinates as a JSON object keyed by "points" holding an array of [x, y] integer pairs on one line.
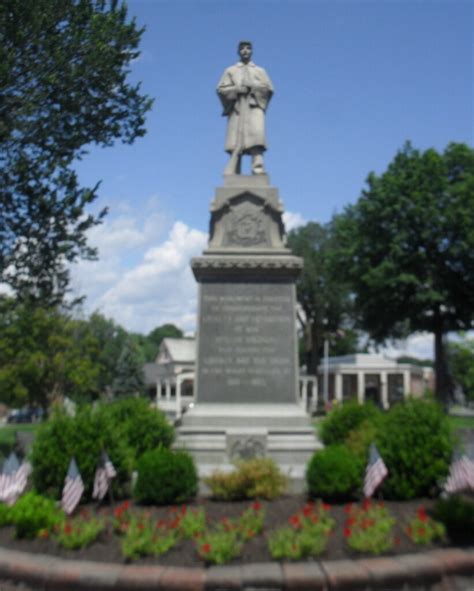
{"points": [[210, 532]]}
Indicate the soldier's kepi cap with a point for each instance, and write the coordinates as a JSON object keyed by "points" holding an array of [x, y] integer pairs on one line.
{"points": [[242, 43]]}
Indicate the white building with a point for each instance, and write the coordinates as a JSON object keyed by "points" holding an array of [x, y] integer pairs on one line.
{"points": [[361, 376]]}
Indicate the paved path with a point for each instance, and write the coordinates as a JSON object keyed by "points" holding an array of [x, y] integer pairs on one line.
{"points": [[438, 570]]}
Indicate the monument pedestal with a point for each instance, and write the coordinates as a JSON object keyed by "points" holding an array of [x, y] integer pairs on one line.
{"points": [[246, 388]]}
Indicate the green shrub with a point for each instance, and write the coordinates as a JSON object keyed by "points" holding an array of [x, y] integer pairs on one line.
{"points": [[83, 437], [33, 513], [144, 428], [343, 419], [333, 474], [125, 428], [416, 444], [457, 515], [251, 479], [5, 518], [358, 442], [165, 477]]}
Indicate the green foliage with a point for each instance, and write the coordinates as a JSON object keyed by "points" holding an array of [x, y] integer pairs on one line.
{"points": [[251, 479], [457, 515], [369, 528], [192, 522], [322, 294], [125, 429], [5, 518], [358, 440], [406, 247], [129, 378], [78, 533], [461, 361], [143, 427], [219, 546], [165, 477], [156, 336], [83, 437], [333, 473], [342, 419], [64, 87], [416, 444], [33, 513], [143, 538], [307, 536], [423, 529]]}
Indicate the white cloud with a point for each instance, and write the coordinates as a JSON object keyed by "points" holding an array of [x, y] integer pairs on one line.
{"points": [[293, 220], [419, 345], [153, 287]]}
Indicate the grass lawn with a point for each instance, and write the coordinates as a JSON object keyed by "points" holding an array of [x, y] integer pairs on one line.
{"points": [[7, 434], [462, 422]]}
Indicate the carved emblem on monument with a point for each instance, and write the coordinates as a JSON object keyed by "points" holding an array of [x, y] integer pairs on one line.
{"points": [[246, 226], [247, 448]]}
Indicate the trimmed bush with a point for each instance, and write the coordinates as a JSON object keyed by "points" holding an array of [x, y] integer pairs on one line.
{"points": [[343, 419], [125, 429], [83, 437], [143, 427], [33, 513], [165, 477], [252, 479], [457, 515], [333, 474], [358, 441], [416, 444]]}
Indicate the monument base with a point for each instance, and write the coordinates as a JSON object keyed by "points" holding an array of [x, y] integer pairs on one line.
{"points": [[218, 435]]}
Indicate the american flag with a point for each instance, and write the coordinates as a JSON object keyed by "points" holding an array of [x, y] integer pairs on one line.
{"points": [[13, 479], [103, 476], [461, 473], [73, 488], [375, 472]]}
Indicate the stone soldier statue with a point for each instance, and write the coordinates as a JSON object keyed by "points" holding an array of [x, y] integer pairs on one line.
{"points": [[245, 91]]}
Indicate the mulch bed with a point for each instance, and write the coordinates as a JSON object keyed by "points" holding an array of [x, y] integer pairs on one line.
{"points": [[107, 547]]}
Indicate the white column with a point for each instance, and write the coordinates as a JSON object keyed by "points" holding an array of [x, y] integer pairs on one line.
{"points": [[158, 392], [168, 389], [338, 386], [384, 389], [304, 393], [406, 383], [360, 387], [179, 382], [315, 393]]}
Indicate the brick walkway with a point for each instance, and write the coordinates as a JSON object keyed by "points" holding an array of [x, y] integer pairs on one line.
{"points": [[437, 570]]}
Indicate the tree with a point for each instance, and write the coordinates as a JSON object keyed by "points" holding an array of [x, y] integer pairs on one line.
{"points": [[407, 248], [129, 379], [461, 362], [44, 355], [63, 85], [156, 336], [324, 299]]}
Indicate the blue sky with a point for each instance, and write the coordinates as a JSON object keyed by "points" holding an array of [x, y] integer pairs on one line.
{"points": [[353, 81]]}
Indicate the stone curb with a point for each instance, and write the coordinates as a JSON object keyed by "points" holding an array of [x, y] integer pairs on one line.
{"points": [[429, 570]]}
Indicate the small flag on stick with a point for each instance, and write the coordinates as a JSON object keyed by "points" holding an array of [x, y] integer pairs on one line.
{"points": [[73, 488], [104, 475], [375, 472], [13, 479], [461, 473]]}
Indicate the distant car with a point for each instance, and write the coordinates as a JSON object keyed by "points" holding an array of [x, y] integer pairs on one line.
{"points": [[25, 415]]}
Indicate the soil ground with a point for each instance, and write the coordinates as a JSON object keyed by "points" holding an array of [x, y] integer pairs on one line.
{"points": [[277, 513]]}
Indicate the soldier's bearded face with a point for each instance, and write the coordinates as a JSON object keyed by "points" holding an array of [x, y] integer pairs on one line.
{"points": [[245, 53]]}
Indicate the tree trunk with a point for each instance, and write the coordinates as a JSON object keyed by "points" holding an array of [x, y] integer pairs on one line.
{"points": [[441, 374], [313, 351]]}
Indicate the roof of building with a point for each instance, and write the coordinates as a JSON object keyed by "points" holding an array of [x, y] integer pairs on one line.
{"points": [[177, 351]]}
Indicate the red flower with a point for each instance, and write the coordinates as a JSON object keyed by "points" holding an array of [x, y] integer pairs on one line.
{"points": [[183, 510], [350, 521], [206, 548], [250, 533], [348, 508], [256, 506], [140, 526], [421, 531], [126, 505], [396, 541], [326, 507], [347, 532], [68, 528], [366, 504], [307, 510], [422, 514], [295, 521], [314, 518]]}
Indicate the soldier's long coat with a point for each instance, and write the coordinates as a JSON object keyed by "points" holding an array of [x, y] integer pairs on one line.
{"points": [[246, 122]]}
